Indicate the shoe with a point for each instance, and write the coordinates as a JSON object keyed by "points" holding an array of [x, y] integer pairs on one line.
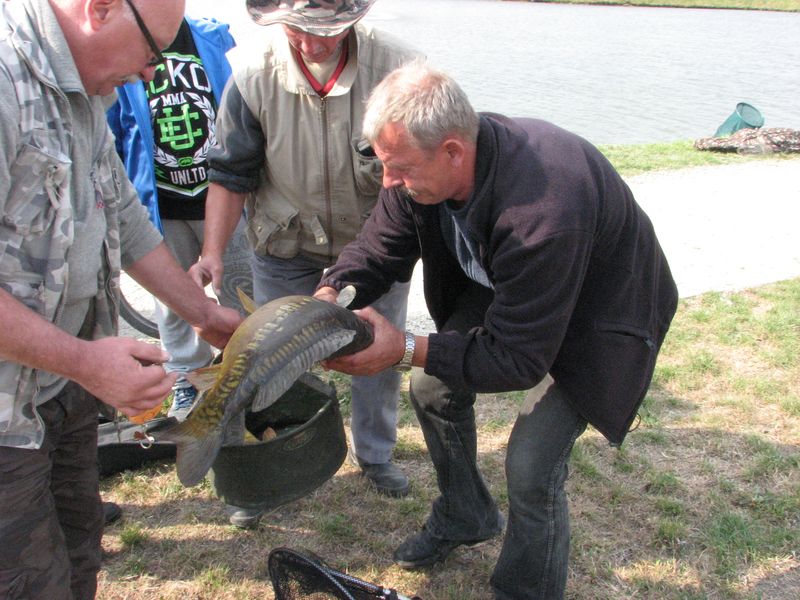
{"points": [[111, 512], [425, 549], [244, 518], [183, 396], [386, 478]]}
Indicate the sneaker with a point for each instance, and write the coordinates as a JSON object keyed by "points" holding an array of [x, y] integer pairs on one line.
{"points": [[386, 478], [244, 518], [111, 512], [183, 396], [425, 549]]}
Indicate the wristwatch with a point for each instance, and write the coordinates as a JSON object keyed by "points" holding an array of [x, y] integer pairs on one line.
{"points": [[404, 364]]}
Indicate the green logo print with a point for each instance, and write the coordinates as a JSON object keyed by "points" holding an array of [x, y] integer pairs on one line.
{"points": [[176, 130]]}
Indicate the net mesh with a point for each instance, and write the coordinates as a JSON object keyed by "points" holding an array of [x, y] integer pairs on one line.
{"points": [[296, 576]]}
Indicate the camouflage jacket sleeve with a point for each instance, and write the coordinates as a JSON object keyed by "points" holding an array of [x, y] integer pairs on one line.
{"points": [[9, 133], [15, 429]]}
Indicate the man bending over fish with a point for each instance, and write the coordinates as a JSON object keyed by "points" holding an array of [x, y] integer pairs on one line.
{"points": [[541, 273]]}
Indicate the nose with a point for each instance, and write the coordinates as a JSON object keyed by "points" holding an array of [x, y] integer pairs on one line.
{"points": [[148, 73], [390, 178], [309, 45]]}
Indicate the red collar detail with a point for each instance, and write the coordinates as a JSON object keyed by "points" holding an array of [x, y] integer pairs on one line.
{"points": [[320, 89]]}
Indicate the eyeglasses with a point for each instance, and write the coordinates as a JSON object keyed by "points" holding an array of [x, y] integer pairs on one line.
{"points": [[159, 58]]}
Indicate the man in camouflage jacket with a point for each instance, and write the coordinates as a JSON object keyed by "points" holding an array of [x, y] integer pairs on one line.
{"points": [[69, 220]]}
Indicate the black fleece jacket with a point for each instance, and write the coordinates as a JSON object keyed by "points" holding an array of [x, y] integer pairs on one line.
{"points": [[582, 289]]}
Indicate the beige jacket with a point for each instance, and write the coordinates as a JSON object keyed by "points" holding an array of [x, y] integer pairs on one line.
{"points": [[310, 189]]}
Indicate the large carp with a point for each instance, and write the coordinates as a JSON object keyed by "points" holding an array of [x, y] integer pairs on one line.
{"points": [[266, 354]]}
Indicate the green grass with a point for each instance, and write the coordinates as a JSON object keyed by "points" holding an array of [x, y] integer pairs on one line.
{"points": [[642, 158], [133, 535], [778, 5]]}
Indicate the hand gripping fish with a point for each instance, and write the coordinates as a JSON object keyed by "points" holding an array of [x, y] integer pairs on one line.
{"points": [[266, 354]]}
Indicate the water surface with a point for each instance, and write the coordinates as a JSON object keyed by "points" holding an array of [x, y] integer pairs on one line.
{"points": [[614, 74]]}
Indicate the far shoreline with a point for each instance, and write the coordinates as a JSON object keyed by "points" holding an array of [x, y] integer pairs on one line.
{"points": [[755, 5]]}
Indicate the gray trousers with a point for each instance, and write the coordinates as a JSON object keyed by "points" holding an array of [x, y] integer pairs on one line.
{"points": [[186, 349], [534, 557], [51, 517], [373, 420]]}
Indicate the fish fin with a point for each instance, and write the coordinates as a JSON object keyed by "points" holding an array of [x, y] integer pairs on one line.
{"points": [[234, 432], [195, 454], [246, 301], [267, 394], [264, 397], [203, 378], [346, 296]]}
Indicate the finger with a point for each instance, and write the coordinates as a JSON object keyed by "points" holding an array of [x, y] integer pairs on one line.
{"points": [[151, 395], [327, 294], [370, 315], [216, 281], [152, 383], [141, 404], [149, 354], [197, 274]]}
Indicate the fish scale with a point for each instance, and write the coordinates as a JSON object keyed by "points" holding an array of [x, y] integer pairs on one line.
{"points": [[266, 354]]}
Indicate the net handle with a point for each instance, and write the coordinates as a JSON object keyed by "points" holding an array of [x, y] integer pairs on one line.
{"points": [[347, 582]]}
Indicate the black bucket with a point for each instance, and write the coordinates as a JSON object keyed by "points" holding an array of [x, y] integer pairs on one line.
{"points": [[309, 448], [118, 448]]}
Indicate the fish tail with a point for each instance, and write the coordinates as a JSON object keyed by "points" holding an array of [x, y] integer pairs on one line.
{"points": [[196, 450]]}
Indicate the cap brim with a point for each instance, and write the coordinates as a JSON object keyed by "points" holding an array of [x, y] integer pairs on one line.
{"points": [[325, 24]]}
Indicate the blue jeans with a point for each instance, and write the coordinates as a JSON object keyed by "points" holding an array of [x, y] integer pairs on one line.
{"points": [[534, 557], [373, 420]]}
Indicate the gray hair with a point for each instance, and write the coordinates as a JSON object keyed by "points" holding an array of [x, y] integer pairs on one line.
{"points": [[428, 103]]}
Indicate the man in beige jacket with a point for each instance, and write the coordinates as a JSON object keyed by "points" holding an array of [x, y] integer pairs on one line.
{"points": [[290, 151]]}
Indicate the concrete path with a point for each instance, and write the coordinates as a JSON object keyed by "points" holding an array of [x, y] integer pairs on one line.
{"points": [[723, 228]]}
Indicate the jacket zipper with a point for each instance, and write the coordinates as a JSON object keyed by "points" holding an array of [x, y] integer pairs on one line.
{"points": [[327, 179]]}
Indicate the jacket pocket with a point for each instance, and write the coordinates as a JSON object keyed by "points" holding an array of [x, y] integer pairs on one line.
{"points": [[36, 229], [625, 329], [368, 169], [38, 183], [274, 229]]}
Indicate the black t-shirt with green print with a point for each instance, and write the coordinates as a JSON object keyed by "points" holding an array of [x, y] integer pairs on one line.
{"points": [[183, 111]]}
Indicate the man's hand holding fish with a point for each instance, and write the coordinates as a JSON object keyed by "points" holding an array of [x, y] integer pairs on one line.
{"points": [[386, 351]]}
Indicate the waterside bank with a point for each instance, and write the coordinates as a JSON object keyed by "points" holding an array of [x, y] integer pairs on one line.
{"points": [[770, 5]]}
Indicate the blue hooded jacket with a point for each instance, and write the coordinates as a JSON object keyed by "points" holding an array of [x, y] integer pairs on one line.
{"points": [[129, 117]]}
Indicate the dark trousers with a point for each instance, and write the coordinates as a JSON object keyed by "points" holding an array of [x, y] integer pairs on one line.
{"points": [[534, 557], [51, 517]]}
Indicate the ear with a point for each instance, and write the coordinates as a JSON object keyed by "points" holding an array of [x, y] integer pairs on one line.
{"points": [[100, 12], [456, 150]]}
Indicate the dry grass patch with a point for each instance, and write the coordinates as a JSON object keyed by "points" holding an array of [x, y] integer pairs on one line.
{"points": [[702, 501]]}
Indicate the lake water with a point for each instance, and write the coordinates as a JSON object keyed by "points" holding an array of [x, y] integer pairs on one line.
{"points": [[611, 74]]}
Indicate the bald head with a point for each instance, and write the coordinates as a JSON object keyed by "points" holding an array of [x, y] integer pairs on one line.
{"points": [[109, 45]]}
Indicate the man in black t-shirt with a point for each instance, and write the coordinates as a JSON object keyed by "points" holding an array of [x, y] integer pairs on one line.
{"points": [[164, 130]]}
